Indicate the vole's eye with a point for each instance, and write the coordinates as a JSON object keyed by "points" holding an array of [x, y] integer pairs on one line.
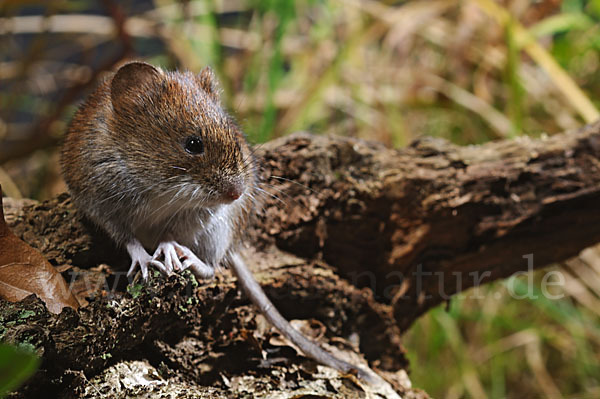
{"points": [[194, 145]]}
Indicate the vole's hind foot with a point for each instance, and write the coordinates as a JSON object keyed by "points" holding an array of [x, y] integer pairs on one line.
{"points": [[179, 257], [141, 259]]}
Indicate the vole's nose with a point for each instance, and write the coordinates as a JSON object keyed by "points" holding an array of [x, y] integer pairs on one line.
{"points": [[233, 191]]}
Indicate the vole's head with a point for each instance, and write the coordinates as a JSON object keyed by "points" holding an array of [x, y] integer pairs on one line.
{"points": [[175, 138]]}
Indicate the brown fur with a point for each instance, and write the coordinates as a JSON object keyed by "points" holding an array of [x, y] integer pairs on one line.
{"points": [[125, 147]]}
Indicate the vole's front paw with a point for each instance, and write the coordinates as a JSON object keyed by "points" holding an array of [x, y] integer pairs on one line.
{"points": [[177, 257], [140, 258]]}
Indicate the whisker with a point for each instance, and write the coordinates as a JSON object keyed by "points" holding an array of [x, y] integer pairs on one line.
{"points": [[296, 183], [271, 195], [290, 197], [255, 202]]}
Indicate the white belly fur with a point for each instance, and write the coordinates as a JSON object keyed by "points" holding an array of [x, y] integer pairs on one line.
{"points": [[208, 233], [214, 238]]}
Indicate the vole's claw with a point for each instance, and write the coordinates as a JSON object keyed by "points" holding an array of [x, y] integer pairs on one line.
{"points": [[160, 266], [198, 267], [168, 257], [179, 257], [134, 267], [139, 258], [167, 251]]}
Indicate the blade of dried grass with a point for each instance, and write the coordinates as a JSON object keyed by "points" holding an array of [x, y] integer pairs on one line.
{"points": [[580, 293], [8, 185], [572, 92], [355, 41], [533, 355], [586, 274], [499, 123]]}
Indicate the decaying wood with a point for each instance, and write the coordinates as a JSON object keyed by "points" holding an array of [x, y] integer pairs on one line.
{"points": [[202, 338], [419, 224], [362, 238]]}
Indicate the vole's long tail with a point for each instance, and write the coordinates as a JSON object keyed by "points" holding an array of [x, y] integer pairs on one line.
{"points": [[310, 348]]}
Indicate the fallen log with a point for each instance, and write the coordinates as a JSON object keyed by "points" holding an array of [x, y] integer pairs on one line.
{"points": [[360, 238], [420, 224]]}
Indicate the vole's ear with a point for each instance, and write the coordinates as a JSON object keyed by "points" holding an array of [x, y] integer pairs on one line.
{"points": [[208, 81], [131, 79]]}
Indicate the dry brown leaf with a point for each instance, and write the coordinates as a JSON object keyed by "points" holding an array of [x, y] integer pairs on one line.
{"points": [[25, 271]]}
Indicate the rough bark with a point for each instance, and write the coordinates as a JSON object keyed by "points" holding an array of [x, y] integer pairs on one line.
{"points": [[360, 237], [420, 224]]}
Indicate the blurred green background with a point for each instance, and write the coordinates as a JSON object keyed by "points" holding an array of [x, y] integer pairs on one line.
{"points": [[469, 71]]}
